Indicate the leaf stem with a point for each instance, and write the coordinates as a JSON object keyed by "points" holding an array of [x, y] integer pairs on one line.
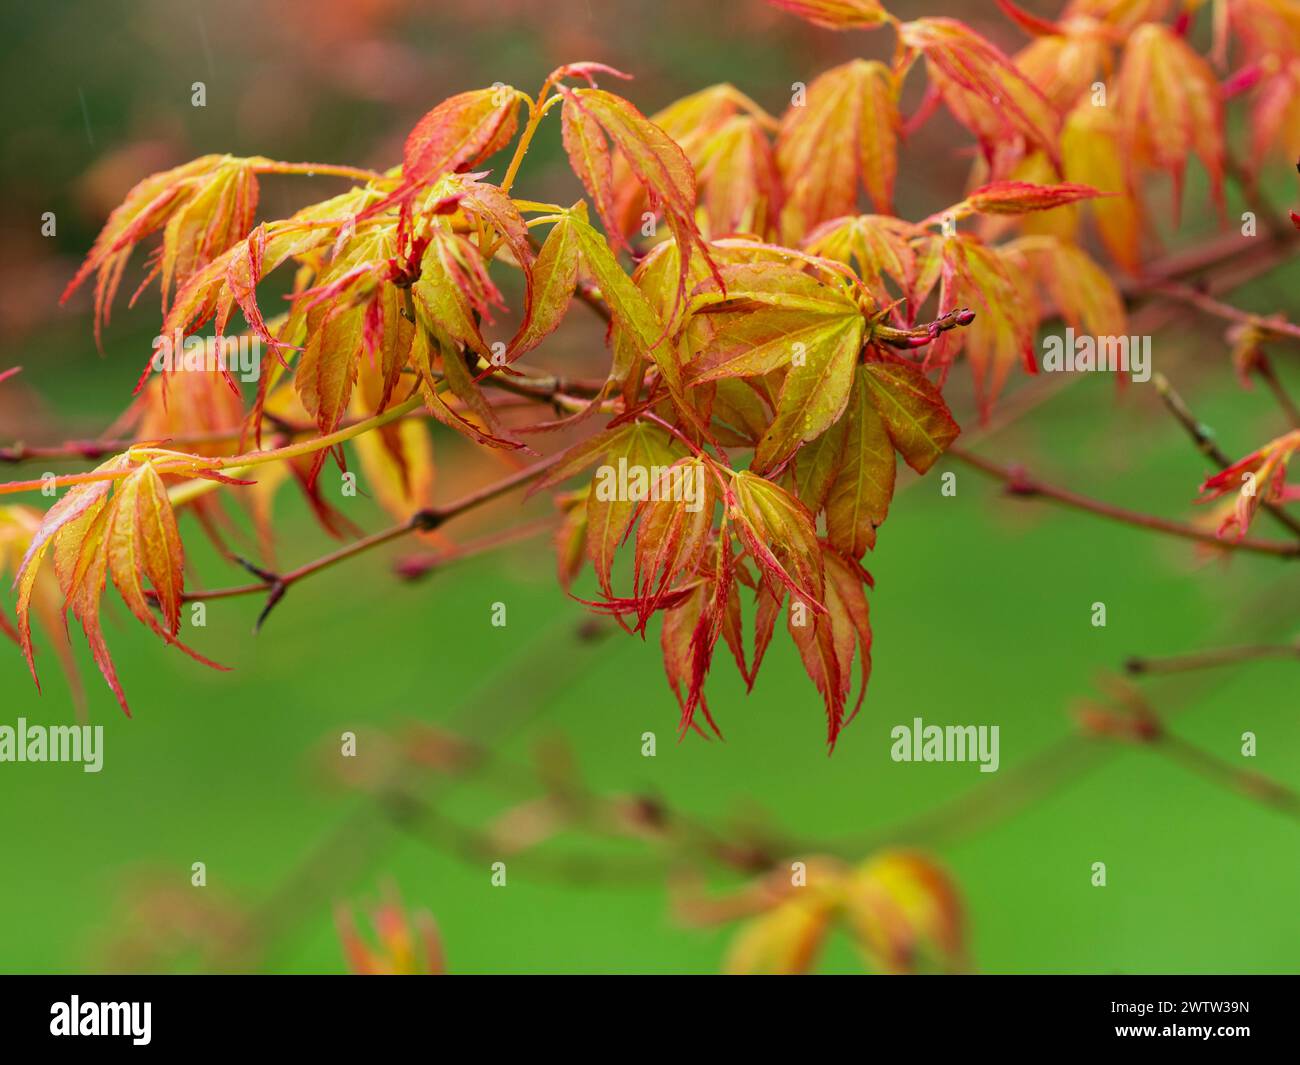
{"points": [[271, 166], [535, 115]]}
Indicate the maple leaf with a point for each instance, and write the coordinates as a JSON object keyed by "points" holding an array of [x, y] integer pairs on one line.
{"points": [[1068, 61], [672, 535], [828, 642], [588, 117], [838, 14], [1093, 154], [640, 334], [1259, 477], [328, 368], [387, 336], [877, 246], [780, 535], [454, 137], [740, 183], [725, 136], [131, 536], [905, 913], [18, 526], [783, 941], [408, 944], [460, 133], [487, 205], [1169, 107], [677, 643], [634, 446], [202, 206], [231, 278], [697, 614], [982, 87], [571, 537], [901, 909], [1275, 111], [396, 459], [555, 276], [914, 412], [855, 106], [861, 484], [1081, 291], [451, 296], [776, 317], [846, 602]]}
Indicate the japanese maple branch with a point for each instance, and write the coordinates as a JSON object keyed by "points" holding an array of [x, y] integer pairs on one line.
{"points": [[1204, 441], [1254, 786], [1264, 369], [1020, 483], [1202, 301], [1248, 184], [90, 450], [1210, 659], [232, 463], [1163, 272], [424, 520]]}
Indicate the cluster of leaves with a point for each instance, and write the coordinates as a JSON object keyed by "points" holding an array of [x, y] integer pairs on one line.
{"points": [[406, 944], [765, 316], [1258, 478], [121, 524], [901, 911]]}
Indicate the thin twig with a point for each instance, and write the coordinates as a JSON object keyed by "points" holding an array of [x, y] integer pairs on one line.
{"points": [[1020, 483], [1264, 368], [1254, 786], [1205, 443], [1248, 183], [1218, 309], [422, 521], [1219, 656]]}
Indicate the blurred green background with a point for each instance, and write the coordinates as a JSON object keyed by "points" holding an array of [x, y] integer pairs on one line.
{"points": [[981, 611]]}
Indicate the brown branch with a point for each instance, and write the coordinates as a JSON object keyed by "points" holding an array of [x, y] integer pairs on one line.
{"points": [[1219, 656], [1264, 368], [1222, 251], [1252, 785], [275, 585], [1205, 443], [1217, 308], [1020, 483], [90, 450], [1248, 184]]}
